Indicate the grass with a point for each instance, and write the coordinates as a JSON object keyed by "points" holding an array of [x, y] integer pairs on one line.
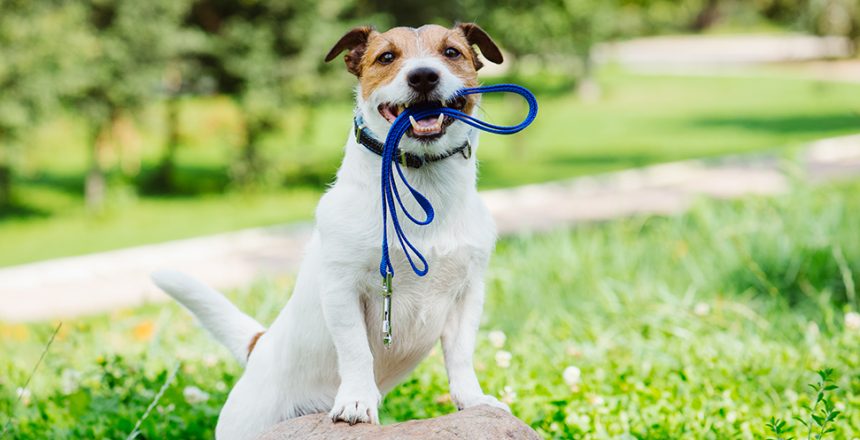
{"points": [[640, 120], [701, 325]]}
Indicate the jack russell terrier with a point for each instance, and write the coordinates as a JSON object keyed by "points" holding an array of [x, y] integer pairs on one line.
{"points": [[324, 352]]}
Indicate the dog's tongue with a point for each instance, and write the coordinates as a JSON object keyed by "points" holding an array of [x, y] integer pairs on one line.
{"points": [[428, 126], [428, 122]]}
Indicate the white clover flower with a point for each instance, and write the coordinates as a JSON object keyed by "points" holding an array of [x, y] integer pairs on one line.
{"points": [[508, 395], [702, 309], [812, 330], [503, 358], [210, 360], [194, 395], [852, 321], [24, 395], [70, 380], [572, 376], [581, 421], [165, 409], [595, 400], [221, 386], [731, 417], [497, 338]]}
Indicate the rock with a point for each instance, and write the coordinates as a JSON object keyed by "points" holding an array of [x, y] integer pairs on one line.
{"points": [[477, 423]]}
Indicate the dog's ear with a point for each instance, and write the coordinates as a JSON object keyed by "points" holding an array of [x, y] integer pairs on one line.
{"points": [[355, 43], [478, 37]]}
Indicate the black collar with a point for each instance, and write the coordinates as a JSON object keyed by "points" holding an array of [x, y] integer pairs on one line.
{"points": [[365, 137]]}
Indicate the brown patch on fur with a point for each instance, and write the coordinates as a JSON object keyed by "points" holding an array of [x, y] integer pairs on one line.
{"points": [[254, 342], [355, 41], [478, 37], [366, 45], [407, 43]]}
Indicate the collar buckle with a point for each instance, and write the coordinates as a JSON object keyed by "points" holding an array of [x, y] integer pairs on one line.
{"points": [[466, 152], [359, 126]]}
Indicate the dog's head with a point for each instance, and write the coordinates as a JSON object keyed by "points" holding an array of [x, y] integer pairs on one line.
{"points": [[424, 67]]}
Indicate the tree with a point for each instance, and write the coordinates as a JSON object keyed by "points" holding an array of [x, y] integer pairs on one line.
{"points": [[34, 37], [834, 17], [556, 27], [266, 54], [183, 76], [131, 42]]}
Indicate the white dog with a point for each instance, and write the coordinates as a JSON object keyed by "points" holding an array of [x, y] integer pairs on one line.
{"points": [[324, 352]]}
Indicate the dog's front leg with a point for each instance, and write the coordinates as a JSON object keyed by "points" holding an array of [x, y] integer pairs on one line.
{"points": [[358, 397], [458, 344]]}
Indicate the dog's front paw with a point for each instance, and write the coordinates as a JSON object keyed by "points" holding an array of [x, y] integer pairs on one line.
{"points": [[353, 409], [479, 399]]}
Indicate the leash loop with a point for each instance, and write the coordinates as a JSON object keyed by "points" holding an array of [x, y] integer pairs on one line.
{"points": [[390, 192]]}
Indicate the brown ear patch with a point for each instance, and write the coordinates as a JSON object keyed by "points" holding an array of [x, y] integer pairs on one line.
{"points": [[254, 342], [478, 37], [355, 43]]}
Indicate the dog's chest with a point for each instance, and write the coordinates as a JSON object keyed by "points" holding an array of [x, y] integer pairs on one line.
{"points": [[421, 304], [421, 307]]}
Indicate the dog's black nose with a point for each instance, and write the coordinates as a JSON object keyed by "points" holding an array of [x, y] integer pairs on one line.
{"points": [[423, 79]]}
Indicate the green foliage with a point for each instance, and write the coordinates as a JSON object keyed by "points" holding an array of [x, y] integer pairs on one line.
{"points": [[34, 56], [108, 398], [267, 55], [627, 329], [108, 60], [834, 17], [779, 429], [692, 117]]}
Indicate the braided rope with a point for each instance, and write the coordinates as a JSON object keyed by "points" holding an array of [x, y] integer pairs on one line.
{"points": [[389, 188]]}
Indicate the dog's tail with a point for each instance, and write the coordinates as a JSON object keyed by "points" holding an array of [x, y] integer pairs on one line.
{"points": [[236, 330]]}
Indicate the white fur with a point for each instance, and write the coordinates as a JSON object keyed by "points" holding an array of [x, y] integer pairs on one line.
{"points": [[224, 321], [324, 351]]}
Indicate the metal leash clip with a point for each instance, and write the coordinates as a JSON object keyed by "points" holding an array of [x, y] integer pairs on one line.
{"points": [[386, 310]]}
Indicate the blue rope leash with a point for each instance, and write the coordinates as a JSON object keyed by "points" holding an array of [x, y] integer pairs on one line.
{"points": [[389, 189], [390, 193]]}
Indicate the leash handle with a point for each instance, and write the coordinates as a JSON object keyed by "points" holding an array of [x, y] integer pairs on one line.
{"points": [[390, 192]]}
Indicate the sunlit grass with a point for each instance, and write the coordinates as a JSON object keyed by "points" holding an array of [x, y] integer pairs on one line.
{"points": [[701, 325]]}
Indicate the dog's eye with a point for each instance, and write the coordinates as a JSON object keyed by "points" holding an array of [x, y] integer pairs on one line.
{"points": [[450, 52], [385, 58]]}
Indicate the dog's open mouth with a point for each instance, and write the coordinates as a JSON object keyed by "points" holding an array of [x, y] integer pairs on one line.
{"points": [[429, 128]]}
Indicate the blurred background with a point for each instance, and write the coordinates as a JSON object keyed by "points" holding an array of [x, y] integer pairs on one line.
{"points": [[126, 123]]}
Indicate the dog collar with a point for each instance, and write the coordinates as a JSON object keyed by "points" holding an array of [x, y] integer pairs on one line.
{"points": [[365, 137]]}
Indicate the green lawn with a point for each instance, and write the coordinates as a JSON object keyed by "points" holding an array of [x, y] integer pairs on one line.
{"points": [[640, 120], [702, 325]]}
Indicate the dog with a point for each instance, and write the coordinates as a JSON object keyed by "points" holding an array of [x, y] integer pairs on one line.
{"points": [[324, 352]]}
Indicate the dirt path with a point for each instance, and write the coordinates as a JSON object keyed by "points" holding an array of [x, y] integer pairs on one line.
{"points": [[105, 281]]}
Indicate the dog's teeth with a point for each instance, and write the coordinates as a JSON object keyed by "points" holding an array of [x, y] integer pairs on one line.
{"points": [[440, 119], [414, 123]]}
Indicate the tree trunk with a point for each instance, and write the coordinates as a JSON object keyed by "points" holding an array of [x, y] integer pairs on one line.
{"points": [[5, 185], [95, 185], [249, 168], [95, 188], [707, 17], [165, 175], [588, 89]]}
